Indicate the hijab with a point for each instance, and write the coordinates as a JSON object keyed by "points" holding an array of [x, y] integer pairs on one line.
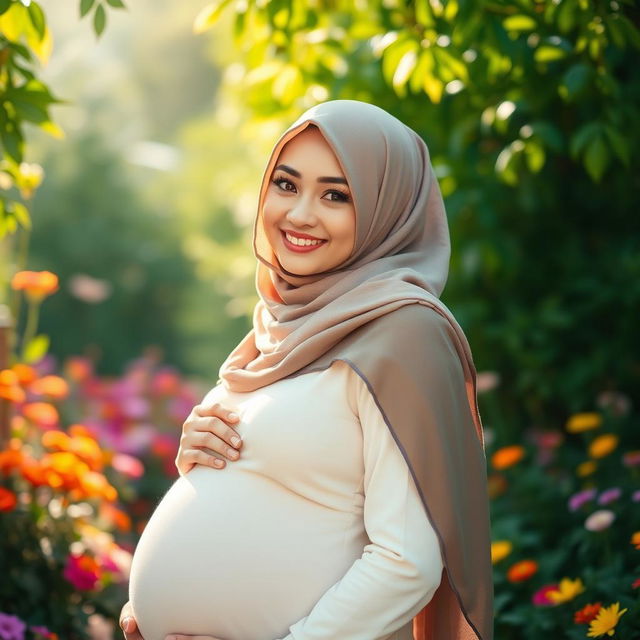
{"points": [[379, 311]]}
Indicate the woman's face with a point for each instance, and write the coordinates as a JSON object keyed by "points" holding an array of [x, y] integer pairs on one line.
{"points": [[308, 199]]}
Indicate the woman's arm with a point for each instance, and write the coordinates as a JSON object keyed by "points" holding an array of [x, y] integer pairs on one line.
{"points": [[401, 568]]}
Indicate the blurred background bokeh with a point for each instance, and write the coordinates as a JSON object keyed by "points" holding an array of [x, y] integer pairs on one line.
{"points": [[142, 188]]}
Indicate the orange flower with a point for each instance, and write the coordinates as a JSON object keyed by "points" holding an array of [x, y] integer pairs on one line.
{"points": [[63, 470], [87, 449], [33, 472], [8, 499], [43, 414], [95, 485], [635, 540], [26, 374], [507, 456], [36, 284], [78, 368], [80, 430], [57, 440], [10, 459], [53, 386], [587, 613], [10, 386], [111, 513], [522, 570], [603, 445]]}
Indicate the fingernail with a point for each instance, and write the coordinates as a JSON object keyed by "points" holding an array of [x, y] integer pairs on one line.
{"points": [[233, 416], [235, 441], [126, 624]]}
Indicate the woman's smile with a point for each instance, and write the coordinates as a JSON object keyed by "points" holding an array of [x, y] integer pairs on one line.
{"points": [[300, 243]]}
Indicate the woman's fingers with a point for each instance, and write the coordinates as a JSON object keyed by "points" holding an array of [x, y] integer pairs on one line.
{"points": [[215, 409], [213, 441], [128, 623], [190, 457], [207, 439]]}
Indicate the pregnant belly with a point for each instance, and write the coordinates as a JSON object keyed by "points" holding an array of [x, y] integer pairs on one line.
{"points": [[235, 555]]}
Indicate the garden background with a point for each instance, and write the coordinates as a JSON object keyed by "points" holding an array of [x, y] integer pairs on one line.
{"points": [[133, 141]]}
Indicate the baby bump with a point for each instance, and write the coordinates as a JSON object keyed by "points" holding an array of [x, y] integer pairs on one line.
{"points": [[235, 555]]}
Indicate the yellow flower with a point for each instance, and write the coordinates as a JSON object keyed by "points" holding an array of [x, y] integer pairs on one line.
{"points": [[567, 590], [583, 422], [603, 445], [586, 468], [500, 550], [605, 622]]}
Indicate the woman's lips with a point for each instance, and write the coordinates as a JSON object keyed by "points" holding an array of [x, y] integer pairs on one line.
{"points": [[298, 249]]}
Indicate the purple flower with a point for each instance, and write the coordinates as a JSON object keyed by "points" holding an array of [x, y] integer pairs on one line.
{"points": [[635, 496], [609, 495], [11, 627], [580, 498]]}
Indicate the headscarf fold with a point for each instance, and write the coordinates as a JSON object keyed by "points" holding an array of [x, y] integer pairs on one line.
{"points": [[380, 312]]}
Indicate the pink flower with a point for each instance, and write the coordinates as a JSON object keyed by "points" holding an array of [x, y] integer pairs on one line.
{"points": [[609, 495], [599, 520], [165, 382], [82, 571], [11, 627], [486, 381], [618, 403], [127, 465], [580, 498], [43, 632], [631, 458], [540, 598], [635, 496]]}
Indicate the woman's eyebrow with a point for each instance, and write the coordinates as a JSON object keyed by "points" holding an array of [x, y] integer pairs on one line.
{"points": [[297, 174]]}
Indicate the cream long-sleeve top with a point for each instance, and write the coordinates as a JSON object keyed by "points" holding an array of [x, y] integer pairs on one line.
{"points": [[317, 532]]}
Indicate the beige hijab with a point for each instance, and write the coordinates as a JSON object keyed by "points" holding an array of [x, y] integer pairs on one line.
{"points": [[380, 313]]}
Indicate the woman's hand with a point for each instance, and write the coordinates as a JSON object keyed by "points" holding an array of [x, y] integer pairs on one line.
{"points": [[205, 428], [128, 623]]}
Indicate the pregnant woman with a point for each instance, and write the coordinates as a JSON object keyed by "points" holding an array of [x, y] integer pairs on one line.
{"points": [[358, 508]]}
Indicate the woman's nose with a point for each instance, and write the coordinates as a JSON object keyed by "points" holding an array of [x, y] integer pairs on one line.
{"points": [[302, 213]]}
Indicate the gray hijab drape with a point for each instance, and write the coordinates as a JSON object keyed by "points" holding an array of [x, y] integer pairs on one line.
{"points": [[379, 311]]}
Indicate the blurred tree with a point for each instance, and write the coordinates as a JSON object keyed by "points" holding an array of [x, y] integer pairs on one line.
{"points": [[120, 262], [531, 113]]}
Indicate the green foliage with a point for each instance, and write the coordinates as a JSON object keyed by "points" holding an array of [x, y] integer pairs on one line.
{"points": [[111, 236], [531, 113], [98, 7]]}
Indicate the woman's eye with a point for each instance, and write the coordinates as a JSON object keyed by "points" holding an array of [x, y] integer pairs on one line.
{"points": [[341, 197], [278, 180]]}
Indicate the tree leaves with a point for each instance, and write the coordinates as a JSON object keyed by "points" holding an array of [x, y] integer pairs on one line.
{"points": [[85, 7], [99, 20], [209, 15]]}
